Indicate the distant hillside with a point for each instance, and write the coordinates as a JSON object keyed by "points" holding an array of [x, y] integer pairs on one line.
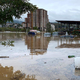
{"points": [[53, 22], [15, 21]]}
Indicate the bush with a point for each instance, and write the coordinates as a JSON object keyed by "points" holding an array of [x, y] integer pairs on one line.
{"points": [[48, 28], [76, 32], [12, 29], [35, 28]]}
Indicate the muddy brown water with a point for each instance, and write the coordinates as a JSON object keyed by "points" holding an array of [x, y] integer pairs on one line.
{"points": [[37, 58]]}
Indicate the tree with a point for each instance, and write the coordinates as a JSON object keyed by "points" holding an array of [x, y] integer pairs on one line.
{"points": [[10, 8], [48, 27], [35, 28]]}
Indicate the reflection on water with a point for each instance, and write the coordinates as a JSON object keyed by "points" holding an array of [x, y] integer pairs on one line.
{"points": [[6, 73], [37, 44], [68, 43], [54, 65], [77, 72], [5, 36]]}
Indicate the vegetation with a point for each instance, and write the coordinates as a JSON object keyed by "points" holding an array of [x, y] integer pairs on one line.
{"points": [[10, 8], [35, 28], [49, 29], [13, 29], [76, 32], [9, 43]]}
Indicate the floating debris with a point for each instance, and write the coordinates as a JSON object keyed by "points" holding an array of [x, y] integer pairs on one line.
{"points": [[44, 62], [77, 63], [71, 56], [57, 79], [4, 56]]}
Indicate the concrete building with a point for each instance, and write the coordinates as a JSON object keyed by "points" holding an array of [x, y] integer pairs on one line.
{"points": [[38, 18], [23, 24], [53, 27], [0, 25]]}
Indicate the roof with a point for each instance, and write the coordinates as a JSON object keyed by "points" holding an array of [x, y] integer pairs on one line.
{"points": [[23, 22], [68, 22]]}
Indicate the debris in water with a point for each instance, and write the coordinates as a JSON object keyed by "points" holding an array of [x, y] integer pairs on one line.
{"points": [[44, 62], [57, 79], [77, 63], [71, 56], [4, 56]]}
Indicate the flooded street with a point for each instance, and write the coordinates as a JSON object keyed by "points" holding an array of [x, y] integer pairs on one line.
{"points": [[37, 57]]}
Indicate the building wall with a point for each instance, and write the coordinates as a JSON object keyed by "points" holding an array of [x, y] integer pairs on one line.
{"points": [[41, 20], [34, 13], [0, 25], [23, 24], [38, 18], [29, 19], [45, 18], [37, 21]]}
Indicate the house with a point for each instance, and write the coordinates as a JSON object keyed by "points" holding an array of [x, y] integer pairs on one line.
{"points": [[0, 25], [23, 25], [52, 26]]}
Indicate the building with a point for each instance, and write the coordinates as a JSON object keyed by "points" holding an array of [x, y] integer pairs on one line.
{"points": [[38, 18], [52, 26], [23, 24], [0, 25], [68, 25]]}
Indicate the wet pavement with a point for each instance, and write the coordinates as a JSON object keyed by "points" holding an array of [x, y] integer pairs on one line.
{"points": [[37, 58]]}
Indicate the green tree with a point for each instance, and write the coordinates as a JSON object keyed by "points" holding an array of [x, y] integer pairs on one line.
{"points": [[10, 8], [35, 28], [48, 28]]}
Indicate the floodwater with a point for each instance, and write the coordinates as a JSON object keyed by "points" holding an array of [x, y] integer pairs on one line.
{"points": [[37, 57]]}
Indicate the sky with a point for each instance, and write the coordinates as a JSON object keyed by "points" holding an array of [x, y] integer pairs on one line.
{"points": [[58, 9]]}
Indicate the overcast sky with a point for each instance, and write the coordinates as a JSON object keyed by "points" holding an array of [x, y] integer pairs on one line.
{"points": [[59, 9]]}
